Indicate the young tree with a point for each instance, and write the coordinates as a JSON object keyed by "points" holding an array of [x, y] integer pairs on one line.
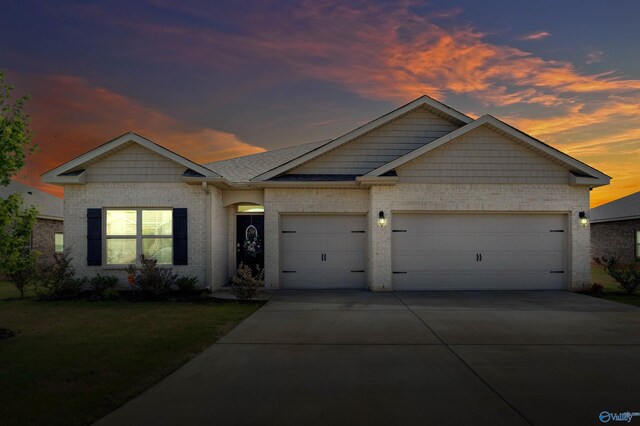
{"points": [[17, 261]]}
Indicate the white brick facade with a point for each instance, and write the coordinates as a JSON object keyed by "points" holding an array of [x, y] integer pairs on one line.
{"points": [[283, 201], [79, 198], [479, 198]]}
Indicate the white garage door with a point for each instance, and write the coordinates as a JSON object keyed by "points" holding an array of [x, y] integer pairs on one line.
{"points": [[478, 251], [322, 252]]}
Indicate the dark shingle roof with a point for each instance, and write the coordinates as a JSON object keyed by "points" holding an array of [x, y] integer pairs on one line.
{"points": [[621, 209], [243, 169]]}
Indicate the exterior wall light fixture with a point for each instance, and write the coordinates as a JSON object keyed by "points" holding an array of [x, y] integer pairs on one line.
{"points": [[584, 219], [381, 219]]}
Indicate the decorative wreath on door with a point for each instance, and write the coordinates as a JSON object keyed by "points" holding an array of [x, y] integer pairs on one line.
{"points": [[251, 244]]}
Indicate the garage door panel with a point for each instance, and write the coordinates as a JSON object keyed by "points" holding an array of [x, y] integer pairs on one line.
{"points": [[440, 251], [487, 280], [296, 242], [522, 261], [435, 261], [309, 261], [410, 242], [541, 241], [346, 261], [321, 251], [345, 243]]}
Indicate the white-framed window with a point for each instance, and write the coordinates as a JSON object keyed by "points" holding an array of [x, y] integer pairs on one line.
{"points": [[59, 242], [132, 232]]}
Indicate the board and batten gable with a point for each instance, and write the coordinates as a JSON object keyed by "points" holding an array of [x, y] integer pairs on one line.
{"points": [[134, 163], [380, 146], [483, 156]]}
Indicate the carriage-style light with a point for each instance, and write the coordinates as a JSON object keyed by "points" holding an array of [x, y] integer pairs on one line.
{"points": [[584, 219], [381, 219]]}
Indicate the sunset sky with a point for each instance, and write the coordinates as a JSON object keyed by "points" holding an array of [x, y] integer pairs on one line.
{"points": [[217, 79]]}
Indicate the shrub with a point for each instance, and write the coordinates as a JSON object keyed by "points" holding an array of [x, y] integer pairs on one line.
{"points": [[104, 287], [245, 285], [57, 281], [595, 289], [22, 278], [150, 278], [100, 283], [627, 276], [111, 293], [186, 284]]}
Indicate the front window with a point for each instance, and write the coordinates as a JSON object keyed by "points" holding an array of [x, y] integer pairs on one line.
{"points": [[132, 232], [59, 242]]}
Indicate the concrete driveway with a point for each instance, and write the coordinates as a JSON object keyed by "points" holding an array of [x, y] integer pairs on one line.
{"points": [[441, 358]]}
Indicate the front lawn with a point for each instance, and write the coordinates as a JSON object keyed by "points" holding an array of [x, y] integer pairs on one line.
{"points": [[611, 289], [72, 362]]}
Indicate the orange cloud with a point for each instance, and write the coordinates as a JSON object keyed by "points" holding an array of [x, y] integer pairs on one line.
{"points": [[70, 117], [391, 52]]}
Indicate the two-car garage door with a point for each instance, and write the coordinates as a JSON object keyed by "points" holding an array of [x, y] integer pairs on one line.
{"points": [[478, 251]]}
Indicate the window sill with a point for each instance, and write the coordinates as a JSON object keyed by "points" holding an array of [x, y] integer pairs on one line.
{"points": [[125, 267]]}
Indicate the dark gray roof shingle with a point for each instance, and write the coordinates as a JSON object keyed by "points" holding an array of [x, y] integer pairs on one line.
{"points": [[621, 209]]}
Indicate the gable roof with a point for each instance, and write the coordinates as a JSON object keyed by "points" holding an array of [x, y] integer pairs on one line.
{"points": [[625, 208], [243, 169], [70, 172], [423, 101], [48, 206], [585, 175]]}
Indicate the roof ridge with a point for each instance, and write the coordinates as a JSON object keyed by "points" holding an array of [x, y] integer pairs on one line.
{"points": [[268, 151]]}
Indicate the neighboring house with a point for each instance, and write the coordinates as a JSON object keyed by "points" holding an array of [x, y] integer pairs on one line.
{"points": [[421, 198], [615, 229], [48, 232]]}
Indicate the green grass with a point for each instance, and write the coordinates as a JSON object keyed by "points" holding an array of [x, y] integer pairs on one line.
{"points": [[73, 362], [611, 289]]}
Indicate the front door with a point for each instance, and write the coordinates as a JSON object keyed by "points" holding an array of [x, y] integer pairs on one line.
{"points": [[250, 241]]}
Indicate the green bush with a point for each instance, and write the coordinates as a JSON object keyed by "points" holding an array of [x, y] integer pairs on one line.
{"points": [[111, 293], [246, 285], [152, 279], [627, 276], [186, 284], [57, 281], [100, 283]]}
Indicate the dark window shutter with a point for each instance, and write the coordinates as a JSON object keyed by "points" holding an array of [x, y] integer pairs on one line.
{"points": [[180, 243], [94, 237]]}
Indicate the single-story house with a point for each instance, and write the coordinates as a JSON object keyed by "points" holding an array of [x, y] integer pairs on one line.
{"points": [[47, 236], [421, 198], [615, 229]]}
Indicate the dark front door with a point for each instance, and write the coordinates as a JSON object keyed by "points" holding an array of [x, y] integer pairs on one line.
{"points": [[250, 241]]}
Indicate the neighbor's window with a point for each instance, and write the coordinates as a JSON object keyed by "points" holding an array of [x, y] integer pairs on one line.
{"points": [[59, 242], [132, 232]]}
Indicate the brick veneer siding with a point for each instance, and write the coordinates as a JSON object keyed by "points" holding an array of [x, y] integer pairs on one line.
{"points": [[544, 198], [282, 201], [616, 239], [43, 238], [78, 198]]}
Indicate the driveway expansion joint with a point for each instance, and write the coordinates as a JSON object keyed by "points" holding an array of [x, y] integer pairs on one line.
{"points": [[455, 354]]}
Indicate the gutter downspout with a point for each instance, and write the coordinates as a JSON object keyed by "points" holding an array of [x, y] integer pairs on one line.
{"points": [[207, 247]]}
